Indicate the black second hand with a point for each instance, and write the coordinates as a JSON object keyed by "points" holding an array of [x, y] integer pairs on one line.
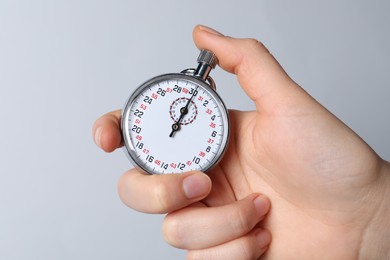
{"points": [[183, 112]]}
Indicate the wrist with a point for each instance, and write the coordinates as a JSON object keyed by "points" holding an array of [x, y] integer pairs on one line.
{"points": [[375, 242]]}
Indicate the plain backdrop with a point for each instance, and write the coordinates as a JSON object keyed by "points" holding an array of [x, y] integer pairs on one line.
{"points": [[64, 63]]}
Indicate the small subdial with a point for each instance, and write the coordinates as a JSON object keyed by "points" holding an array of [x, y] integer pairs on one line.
{"points": [[177, 107]]}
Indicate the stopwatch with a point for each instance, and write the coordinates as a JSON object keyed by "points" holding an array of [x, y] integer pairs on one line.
{"points": [[176, 122]]}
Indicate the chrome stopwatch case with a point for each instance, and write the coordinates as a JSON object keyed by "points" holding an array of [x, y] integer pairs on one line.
{"points": [[175, 123]]}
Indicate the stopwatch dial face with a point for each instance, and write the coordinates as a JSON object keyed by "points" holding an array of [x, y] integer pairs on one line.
{"points": [[173, 125]]}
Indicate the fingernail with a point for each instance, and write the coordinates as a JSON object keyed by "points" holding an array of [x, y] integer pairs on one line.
{"points": [[210, 30], [263, 238], [98, 134], [261, 205], [196, 185]]}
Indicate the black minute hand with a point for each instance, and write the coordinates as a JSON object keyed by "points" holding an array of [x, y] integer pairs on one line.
{"points": [[183, 112]]}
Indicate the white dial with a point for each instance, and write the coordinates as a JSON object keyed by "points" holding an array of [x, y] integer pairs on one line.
{"points": [[175, 123]]}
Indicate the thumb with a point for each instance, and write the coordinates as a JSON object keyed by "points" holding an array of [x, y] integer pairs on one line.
{"points": [[259, 74], [162, 193]]}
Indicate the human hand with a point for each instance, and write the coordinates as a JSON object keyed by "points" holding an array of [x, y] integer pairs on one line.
{"points": [[228, 229], [327, 187]]}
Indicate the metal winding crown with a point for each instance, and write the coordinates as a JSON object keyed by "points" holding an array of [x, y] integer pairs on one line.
{"points": [[208, 57]]}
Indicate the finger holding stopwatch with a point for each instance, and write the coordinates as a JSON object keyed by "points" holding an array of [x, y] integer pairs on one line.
{"points": [[144, 192], [106, 131], [162, 193]]}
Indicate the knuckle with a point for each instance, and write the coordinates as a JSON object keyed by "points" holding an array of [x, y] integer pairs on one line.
{"points": [[244, 248], [161, 195], [172, 231], [241, 221], [194, 255], [254, 43], [247, 248], [123, 189]]}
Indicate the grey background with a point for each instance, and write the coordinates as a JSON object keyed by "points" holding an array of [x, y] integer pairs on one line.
{"points": [[64, 63]]}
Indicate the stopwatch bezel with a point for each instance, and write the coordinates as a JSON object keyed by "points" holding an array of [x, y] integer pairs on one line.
{"points": [[128, 146]]}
